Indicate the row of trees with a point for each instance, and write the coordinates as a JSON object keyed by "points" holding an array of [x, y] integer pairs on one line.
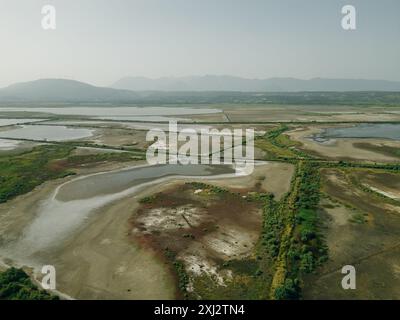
{"points": [[291, 232]]}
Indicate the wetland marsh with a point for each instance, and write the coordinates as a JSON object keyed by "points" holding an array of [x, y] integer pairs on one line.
{"points": [[100, 205]]}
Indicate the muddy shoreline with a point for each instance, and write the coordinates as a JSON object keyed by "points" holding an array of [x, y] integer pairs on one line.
{"points": [[340, 148], [99, 260]]}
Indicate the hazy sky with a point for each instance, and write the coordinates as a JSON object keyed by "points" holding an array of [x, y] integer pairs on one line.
{"points": [[100, 41]]}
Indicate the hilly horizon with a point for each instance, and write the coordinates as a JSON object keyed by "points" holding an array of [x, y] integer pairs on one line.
{"points": [[203, 89], [60, 90], [232, 83]]}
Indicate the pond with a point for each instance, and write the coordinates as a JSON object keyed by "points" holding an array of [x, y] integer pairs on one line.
{"points": [[379, 130], [71, 204], [43, 132]]}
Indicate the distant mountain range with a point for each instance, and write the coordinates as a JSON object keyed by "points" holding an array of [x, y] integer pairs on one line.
{"points": [[229, 83], [60, 90], [197, 89]]}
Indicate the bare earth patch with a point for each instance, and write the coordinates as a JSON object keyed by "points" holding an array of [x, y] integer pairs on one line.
{"points": [[203, 226], [361, 232], [340, 149]]}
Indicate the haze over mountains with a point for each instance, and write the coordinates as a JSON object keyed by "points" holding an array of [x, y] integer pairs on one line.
{"points": [[60, 90], [179, 90], [230, 83]]}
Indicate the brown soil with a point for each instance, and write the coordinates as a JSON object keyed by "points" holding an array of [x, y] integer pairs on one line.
{"points": [[201, 227], [370, 243], [343, 148]]}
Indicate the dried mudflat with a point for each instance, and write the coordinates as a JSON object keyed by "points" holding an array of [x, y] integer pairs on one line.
{"points": [[325, 113], [207, 228], [95, 262], [118, 137], [202, 227], [385, 183], [342, 148], [101, 259], [361, 229], [274, 177]]}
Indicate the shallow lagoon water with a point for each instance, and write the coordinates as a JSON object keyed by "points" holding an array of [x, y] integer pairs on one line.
{"points": [[43, 132], [115, 111], [72, 203], [114, 182], [381, 130], [6, 145], [144, 118]]}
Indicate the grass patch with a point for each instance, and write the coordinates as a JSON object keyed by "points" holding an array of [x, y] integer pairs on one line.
{"points": [[248, 267], [207, 188], [382, 149], [278, 145], [20, 174], [358, 218], [79, 160], [301, 246], [148, 199], [183, 278]]}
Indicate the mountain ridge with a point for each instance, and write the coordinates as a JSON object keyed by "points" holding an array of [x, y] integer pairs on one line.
{"points": [[62, 90], [232, 83]]}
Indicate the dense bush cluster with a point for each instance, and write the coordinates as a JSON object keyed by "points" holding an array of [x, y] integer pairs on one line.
{"points": [[183, 278], [15, 284], [272, 226], [279, 146], [204, 186], [301, 248], [346, 164]]}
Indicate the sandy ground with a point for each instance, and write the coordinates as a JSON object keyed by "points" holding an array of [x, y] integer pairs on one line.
{"points": [[118, 137], [387, 184], [9, 147], [390, 194], [282, 113], [221, 228], [340, 148], [274, 177], [100, 261], [372, 247], [18, 212]]}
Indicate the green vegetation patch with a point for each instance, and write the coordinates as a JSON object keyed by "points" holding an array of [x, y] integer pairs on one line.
{"points": [[241, 287], [296, 240], [279, 146], [148, 199], [15, 284], [358, 218], [20, 174], [248, 267], [386, 150], [182, 276], [207, 187], [78, 160]]}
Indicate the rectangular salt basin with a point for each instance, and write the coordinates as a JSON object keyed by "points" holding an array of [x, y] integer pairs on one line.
{"points": [[115, 111]]}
